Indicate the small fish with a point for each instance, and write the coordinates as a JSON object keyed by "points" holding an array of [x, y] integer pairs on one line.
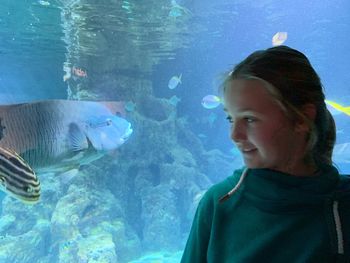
{"points": [[174, 81], [56, 135], [338, 107], [44, 3], [174, 100], [279, 38], [130, 106], [17, 178], [79, 72], [211, 101], [333, 111]]}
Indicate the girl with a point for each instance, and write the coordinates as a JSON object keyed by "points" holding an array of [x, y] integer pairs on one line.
{"points": [[289, 203]]}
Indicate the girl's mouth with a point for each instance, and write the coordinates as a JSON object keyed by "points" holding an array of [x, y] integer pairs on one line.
{"points": [[248, 150]]}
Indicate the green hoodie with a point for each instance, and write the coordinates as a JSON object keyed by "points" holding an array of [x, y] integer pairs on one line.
{"points": [[273, 217]]}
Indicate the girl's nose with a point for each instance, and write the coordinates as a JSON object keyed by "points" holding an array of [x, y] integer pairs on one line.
{"points": [[237, 133]]}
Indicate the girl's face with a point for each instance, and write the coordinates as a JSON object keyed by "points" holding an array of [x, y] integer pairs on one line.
{"points": [[261, 130]]}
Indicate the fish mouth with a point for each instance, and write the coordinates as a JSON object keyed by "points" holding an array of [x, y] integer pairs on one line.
{"points": [[29, 201], [127, 134]]}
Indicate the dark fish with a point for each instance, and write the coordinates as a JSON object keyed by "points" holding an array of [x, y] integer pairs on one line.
{"points": [[17, 178]]}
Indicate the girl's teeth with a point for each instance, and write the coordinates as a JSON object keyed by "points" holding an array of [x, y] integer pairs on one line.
{"points": [[248, 150]]}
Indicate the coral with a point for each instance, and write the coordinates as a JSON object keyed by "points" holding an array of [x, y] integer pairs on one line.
{"points": [[89, 224], [36, 238]]}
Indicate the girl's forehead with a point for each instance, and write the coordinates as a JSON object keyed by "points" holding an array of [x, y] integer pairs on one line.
{"points": [[242, 93], [247, 86]]}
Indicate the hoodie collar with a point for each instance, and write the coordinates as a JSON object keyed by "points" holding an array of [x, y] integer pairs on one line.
{"points": [[281, 192]]}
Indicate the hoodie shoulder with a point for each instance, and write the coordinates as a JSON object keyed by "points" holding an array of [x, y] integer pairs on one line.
{"points": [[344, 184], [343, 192]]}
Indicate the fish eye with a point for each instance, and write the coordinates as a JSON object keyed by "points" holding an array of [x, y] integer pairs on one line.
{"points": [[28, 189], [109, 122]]}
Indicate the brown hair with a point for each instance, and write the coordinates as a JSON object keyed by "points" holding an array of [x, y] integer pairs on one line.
{"points": [[293, 83]]}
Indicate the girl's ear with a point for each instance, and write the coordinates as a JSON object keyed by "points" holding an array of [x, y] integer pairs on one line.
{"points": [[309, 111]]}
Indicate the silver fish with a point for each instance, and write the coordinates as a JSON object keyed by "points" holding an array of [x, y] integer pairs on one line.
{"points": [[17, 178], [58, 135]]}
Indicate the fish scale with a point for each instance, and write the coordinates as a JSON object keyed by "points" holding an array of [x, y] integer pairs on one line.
{"points": [[35, 140]]}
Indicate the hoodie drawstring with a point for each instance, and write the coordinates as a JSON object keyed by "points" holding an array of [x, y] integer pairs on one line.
{"points": [[235, 188], [338, 228]]}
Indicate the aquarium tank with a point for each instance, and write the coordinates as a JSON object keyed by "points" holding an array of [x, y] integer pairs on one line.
{"points": [[115, 107]]}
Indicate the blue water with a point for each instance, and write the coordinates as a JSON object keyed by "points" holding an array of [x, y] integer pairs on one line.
{"points": [[137, 205]]}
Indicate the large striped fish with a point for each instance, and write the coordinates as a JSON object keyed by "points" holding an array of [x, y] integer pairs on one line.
{"points": [[58, 135], [17, 178]]}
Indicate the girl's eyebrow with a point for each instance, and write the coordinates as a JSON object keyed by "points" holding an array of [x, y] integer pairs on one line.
{"points": [[243, 109]]}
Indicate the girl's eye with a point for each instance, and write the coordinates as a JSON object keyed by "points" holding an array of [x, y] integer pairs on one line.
{"points": [[249, 119]]}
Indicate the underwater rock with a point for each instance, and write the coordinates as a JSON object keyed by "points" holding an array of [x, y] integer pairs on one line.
{"points": [[19, 249], [29, 226], [158, 209], [6, 222], [152, 108], [88, 224], [25, 217], [94, 248]]}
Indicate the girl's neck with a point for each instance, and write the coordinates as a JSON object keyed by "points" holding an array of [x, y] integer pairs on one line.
{"points": [[300, 170]]}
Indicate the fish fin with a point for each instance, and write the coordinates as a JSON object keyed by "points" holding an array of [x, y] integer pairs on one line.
{"points": [[77, 140], [66, 176], [180, 76], [335, 105], [347, 110], [339, 107]]}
